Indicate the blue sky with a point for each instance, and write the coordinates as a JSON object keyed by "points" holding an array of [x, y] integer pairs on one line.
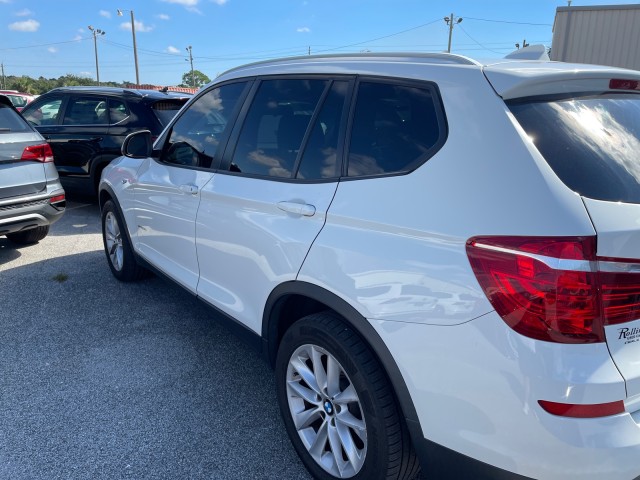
{"points": [[51, 38]]}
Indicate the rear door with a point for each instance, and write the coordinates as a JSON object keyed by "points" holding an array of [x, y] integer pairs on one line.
{"points": [[266, 205], [592, 142]]}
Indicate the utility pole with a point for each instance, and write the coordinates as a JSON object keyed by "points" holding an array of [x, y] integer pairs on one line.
{"points": [[135, 48], [451, 21], [3, 82], [193, 78], [96, 32]]}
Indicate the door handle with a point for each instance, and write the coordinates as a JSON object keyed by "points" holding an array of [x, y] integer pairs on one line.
{"points": [[188, 188], [303, 209]]}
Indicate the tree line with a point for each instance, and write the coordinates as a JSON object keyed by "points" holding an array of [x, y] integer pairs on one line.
{"points": [[40, 85]]}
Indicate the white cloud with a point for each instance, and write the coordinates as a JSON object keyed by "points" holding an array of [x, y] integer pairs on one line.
{"points": [[23, 13], [140, 26], [303, 30], [219, 2], [172, 49], [105, 13], [30, 25], [52, 50], [163, 16], [86, 74], [190, 5]]}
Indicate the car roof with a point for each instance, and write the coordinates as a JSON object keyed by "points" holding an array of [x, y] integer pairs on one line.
{"points": [[133, 92], [511, 77]]}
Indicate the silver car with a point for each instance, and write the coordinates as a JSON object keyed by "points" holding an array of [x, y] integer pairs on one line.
{"points": [[31, 196]]}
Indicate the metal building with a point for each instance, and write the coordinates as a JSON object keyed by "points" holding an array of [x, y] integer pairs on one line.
{"points": [[599, 34]]}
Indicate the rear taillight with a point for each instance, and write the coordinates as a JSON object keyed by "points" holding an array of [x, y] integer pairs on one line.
{"points": [[555, 288], [38, 153]]}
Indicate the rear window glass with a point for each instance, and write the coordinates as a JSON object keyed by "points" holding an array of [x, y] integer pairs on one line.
{"points": [[592, 143], [166, 110], [11, 122]]}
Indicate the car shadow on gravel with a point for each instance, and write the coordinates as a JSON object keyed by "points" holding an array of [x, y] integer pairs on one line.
{"points": [[103, 379]]}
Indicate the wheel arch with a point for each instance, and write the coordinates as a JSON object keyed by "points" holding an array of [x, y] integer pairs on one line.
{"points": [[293, 300]]}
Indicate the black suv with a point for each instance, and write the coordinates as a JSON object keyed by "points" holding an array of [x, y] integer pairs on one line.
{"points": [[86, 126]]}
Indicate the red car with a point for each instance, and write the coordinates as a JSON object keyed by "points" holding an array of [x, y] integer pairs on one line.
{"points": [[19, 99]]}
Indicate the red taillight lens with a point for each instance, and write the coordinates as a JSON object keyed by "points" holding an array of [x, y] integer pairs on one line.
{"points": [[620, 289], [543, 288], [583, 411], [38, 153], [622, 84]]}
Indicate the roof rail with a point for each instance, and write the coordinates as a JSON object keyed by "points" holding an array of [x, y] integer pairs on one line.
{"points": [[389, 56]]}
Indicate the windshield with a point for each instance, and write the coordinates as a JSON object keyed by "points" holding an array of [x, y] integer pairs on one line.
{"points": [[592, 143]]}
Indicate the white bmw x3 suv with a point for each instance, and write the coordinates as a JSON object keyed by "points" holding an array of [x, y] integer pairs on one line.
{"points": [[440, 258]]}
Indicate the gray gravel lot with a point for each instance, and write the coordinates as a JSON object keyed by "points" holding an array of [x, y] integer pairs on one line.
{"points": [[100, 379]]}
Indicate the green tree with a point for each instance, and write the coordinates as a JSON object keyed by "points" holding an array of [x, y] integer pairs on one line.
{"points": [[198, 80]]}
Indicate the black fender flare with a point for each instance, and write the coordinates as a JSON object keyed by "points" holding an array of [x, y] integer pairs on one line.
{"points": [[355, 320]]}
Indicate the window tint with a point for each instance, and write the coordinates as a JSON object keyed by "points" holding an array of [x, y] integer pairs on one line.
{"points": [[86, 111], [275, 125], [166, 110], [196, 134], [10, 121], [591, 143], [43, 113], [393, 127], [320, 157], [117, 111]]}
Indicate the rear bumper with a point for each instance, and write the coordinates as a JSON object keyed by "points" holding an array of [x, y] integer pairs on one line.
{"points": [[23, 213], [476, 386]]}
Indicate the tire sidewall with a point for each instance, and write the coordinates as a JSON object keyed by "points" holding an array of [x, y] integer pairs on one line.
{"points": [[129, 270], [302, 333]]}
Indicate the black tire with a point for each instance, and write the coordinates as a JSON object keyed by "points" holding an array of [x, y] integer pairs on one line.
{"points": [[33, 235], [117, 247], [384, 450]]}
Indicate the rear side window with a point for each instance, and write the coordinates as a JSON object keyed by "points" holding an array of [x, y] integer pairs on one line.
{"points": [[592, 143], [394, 129], [11, 121], [275, 126], [165, 110]]}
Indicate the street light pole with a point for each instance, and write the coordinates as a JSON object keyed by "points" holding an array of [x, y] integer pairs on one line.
{"points": [[96, 32], [135, 48], [193, 78], [450, 21]]}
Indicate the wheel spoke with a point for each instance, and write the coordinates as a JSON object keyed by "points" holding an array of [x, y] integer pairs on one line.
{"points": [[333, 377], [306, 374], [348, 395], [306, 418], [303, 392], [349, 421], [355, 457], [335, 442], [319, 443], [318, 369]]}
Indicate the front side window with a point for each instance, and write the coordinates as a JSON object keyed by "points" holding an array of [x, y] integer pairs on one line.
{"points": [[86, 111], [275, 126], [196, 135], [42, 114], [590, 142], [394, 127]]}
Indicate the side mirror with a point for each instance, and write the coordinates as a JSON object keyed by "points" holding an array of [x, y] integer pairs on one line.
{"points": [[138, 145]]}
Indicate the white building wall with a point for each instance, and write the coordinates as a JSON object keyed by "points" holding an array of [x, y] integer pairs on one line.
{"points": [[602, 35]]}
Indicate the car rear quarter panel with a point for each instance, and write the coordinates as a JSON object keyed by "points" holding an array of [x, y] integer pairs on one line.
{"points": [[394, 247]]}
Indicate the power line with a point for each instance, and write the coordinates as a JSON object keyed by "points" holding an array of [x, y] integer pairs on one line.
{"points": [[508, 21], [475, 41]]}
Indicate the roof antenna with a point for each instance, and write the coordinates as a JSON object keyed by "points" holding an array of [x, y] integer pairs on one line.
{"points": [[569, 3]]}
